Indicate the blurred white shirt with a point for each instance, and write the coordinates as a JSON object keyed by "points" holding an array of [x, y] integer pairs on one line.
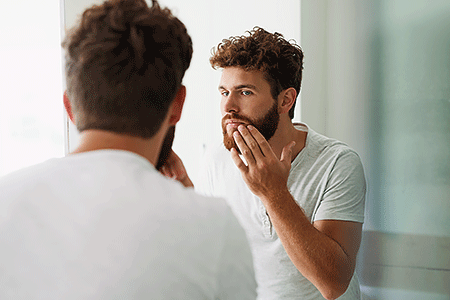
{"points": [[106, 225]]}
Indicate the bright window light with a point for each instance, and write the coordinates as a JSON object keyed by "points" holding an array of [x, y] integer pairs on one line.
{"points": [[31, 109]]}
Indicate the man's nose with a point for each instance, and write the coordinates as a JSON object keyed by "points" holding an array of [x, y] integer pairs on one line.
{"points": [[230, 103]]}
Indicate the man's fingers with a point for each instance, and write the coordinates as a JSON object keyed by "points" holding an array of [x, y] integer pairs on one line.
{"points": [[173, 167], [261, 140], [251, 142], [238, 161], [286, 153], [178, 169], [166, 171], [245, 150]]}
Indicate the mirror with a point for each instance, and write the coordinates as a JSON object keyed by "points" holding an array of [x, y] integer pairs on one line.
{"points": [[376, 76]]}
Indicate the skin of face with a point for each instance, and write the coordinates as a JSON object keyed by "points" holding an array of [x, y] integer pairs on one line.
{"points": [[246, 100]]}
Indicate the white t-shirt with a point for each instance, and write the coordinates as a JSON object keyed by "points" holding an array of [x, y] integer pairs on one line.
{"points": [[106, 225], [326, 180]]}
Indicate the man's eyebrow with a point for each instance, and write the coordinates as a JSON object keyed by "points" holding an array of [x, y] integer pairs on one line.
{"points": [[241, 86], [246, 86]]}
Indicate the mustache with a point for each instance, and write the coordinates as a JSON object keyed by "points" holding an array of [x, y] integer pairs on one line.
{"points": [[236, 116]]}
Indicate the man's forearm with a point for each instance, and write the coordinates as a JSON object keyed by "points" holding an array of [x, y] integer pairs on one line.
{"points": [[318, 257]]}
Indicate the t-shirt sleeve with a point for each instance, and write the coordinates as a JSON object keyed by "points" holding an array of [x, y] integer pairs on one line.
{"points": [[344, 194], [236, 278]]}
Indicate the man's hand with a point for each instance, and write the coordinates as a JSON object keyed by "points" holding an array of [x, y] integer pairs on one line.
{"points": [[174, 168], [265, 174]]}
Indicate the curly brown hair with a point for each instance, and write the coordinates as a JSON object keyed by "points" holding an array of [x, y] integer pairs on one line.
{"points": [[125, 62], [280, 60]]}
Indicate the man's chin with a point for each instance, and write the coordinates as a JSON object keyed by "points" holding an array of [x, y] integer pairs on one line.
{"points": [[229, 143]]}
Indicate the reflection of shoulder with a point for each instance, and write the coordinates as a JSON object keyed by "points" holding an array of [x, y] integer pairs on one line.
{"points": [[323, 150], [325, 145], [338, 154]]}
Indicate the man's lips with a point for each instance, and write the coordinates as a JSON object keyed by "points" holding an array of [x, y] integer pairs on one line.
{"points": [[233, 123]]}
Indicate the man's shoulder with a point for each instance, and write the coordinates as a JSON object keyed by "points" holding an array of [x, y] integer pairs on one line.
{"points": [[321, 145], [29, 184], [197, 200], [30, 173], [87, 178]]}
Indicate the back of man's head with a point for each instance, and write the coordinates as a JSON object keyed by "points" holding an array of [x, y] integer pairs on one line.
{"points": [[125, 62]]}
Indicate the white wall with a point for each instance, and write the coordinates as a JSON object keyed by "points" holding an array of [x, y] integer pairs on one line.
{"points": [[208, 22]]}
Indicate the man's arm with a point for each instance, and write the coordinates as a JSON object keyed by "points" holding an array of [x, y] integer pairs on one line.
{"points": [[324, 252]]}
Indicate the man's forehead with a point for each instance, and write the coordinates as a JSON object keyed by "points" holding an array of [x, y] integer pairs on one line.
{"points": [[235, 77]]}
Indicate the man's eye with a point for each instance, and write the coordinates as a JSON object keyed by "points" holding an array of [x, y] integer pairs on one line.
{"points": [[246, 93], [224, 93]]}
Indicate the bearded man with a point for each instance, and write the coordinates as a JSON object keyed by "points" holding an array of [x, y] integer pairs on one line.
{"points": [[298, 194]]}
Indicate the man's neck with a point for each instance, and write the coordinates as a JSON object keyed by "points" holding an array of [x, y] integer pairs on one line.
{"points": [[286, 133], [92, 140]]}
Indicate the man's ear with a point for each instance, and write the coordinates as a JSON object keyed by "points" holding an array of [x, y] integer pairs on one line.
{"points": [[177, 106], [288, 97], [68, 106]]}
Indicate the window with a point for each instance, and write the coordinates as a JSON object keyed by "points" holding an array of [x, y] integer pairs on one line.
{"points": [[31, 109]]}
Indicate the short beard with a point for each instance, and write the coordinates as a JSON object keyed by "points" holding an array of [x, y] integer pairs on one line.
{"points": [[266, 125], [166, 148]]}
